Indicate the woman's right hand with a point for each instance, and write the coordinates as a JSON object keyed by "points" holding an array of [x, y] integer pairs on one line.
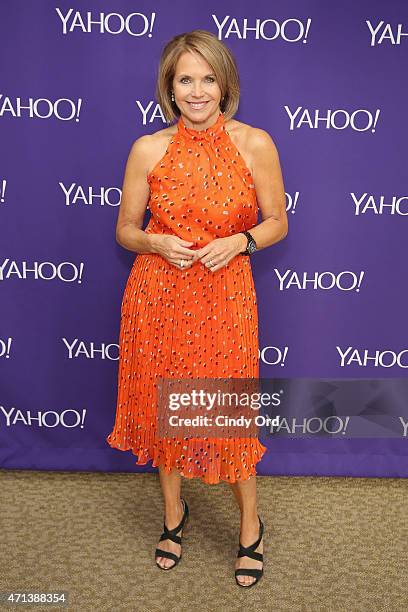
{"points": [[173, 249]]}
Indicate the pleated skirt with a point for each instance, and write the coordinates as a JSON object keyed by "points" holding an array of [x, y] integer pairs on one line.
{"points": [[190, 323]]}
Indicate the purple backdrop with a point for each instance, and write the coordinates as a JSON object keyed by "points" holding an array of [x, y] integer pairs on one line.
{"points": [[328, 84]]}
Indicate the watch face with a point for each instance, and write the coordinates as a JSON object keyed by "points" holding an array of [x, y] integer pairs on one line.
{"points": [[251, 246]]}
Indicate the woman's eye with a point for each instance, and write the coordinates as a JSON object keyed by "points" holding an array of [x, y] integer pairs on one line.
{"points": [[210, 79]]}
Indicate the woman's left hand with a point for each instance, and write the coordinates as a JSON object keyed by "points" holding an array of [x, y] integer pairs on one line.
{"points": [[220, 251]]}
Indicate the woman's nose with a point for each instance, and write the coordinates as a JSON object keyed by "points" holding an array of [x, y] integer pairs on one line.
{"points": [[197, 89]]}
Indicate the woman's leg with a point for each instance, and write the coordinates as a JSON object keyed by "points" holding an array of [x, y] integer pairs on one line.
{"points": [[245, 494], [173, 511], [237, 494]]}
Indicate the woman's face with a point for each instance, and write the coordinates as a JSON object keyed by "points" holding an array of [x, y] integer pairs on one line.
{"points": [[195, 82]]}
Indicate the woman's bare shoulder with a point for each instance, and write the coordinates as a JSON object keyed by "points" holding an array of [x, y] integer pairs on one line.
{"points": [[247, 135], [151, 147], [249, 140], [156, 139]]}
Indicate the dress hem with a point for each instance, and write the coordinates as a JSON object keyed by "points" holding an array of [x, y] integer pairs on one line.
{"points": [[146, 460]]}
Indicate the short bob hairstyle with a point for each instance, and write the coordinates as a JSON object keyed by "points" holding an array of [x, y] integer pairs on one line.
{"points": [[215, 53]]}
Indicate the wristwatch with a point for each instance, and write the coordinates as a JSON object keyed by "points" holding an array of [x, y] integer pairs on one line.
{"points": [[251, 245]]}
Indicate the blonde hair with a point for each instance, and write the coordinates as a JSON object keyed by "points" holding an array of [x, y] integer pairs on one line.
{"points": [[215, 53]]}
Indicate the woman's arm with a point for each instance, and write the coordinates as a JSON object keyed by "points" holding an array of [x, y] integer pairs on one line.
{"points": [[270, 191], [135, 197]]}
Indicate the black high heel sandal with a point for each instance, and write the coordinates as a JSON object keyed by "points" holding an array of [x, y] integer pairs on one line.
{"points": [[249, 551], [170, 534]]}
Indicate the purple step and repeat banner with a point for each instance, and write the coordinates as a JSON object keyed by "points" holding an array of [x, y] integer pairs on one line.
{"points": [[328, 82]]}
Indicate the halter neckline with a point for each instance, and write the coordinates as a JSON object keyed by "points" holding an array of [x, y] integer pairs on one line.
{"points": [[208, 133]]}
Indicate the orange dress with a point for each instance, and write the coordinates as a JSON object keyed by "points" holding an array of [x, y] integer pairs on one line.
{"points": [[190, 323]]}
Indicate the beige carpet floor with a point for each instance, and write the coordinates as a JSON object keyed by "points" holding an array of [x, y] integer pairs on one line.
{"points": [[330, 545]]}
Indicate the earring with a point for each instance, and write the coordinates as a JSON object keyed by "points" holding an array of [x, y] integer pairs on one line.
{"points": [[172, 96]]}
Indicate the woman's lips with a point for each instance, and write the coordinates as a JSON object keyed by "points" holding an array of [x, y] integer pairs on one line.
{"points": [[197, 105]]}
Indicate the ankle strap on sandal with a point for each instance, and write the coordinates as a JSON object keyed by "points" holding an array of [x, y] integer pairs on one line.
{"points": [[249, 551], [170, 534]]}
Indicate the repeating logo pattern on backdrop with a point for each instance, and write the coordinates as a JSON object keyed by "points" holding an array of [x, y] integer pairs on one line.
{"points": [[332, 296]]}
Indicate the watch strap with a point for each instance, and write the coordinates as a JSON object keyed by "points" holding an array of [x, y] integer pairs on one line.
{"points": [[250, 238]]}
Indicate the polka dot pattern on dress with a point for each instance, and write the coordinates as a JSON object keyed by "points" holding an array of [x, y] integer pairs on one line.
{"points": [[190, 323]]}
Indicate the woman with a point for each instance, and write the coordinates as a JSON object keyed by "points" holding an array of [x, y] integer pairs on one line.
{"points": [[189, 308]]}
